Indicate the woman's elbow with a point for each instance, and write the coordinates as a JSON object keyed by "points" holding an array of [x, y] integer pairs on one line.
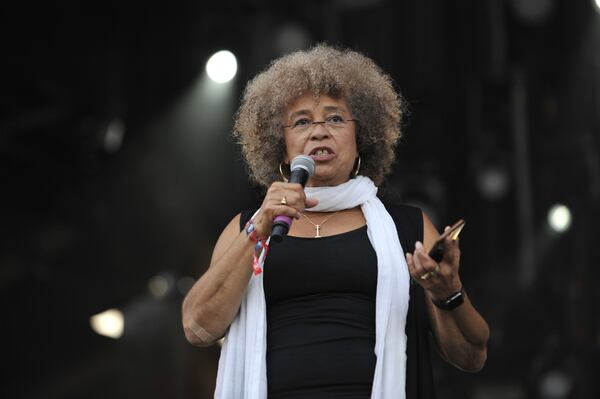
{"points": [[195, 339], [194, 332], [474, 361], [477, 354]]}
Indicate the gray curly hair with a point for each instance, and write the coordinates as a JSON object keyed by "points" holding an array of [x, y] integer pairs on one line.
{"points": [[338, 73]]}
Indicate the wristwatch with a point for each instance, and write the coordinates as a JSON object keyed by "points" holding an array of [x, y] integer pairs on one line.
{"points": [[452, 302]]}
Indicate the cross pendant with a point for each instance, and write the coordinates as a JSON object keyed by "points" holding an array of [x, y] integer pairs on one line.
{"points": [[318, 226]]}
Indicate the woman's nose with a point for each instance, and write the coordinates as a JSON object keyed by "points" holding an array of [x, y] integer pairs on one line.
{"points": [[319, 131]]}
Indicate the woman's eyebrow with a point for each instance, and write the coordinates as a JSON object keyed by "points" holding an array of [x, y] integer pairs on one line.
{"points": [[300, 112], [327, 108], [331, 108]]}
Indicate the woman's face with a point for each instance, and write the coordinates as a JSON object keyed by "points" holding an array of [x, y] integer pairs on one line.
{"points": [[332, 145]]}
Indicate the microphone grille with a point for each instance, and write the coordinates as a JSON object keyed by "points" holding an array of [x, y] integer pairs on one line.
{"points": [[304, 162]]}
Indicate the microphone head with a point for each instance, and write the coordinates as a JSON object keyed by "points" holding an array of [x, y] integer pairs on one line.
{"points": [[303, 162]]}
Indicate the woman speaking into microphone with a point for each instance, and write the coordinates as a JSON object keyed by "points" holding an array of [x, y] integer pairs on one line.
{"points": [[342, 307]]}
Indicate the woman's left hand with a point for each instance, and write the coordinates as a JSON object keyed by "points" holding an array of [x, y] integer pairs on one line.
{"points": [[441, 280]]}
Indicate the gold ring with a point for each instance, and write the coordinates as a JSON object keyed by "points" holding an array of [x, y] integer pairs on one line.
{"points": [[283, 201], [432, 273]]}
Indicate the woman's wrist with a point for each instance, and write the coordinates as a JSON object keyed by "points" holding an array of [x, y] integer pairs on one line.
{"points": [[261, 246], [252, 232], [451, 302], [443, 293]]}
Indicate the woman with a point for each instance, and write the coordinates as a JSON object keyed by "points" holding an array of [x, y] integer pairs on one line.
{"points": [[325, 313]]}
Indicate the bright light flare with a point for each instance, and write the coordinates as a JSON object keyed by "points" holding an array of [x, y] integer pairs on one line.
{"points": [[597, 3], [221, 66], [109, 323], [113, 139], [559, 218]]}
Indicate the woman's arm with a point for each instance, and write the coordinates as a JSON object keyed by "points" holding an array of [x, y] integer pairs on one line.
{"points": [[461, 334], [214, 300], [212, 303]]}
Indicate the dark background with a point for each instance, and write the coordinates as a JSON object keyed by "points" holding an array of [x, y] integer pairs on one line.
{"points": [[504, 122]]}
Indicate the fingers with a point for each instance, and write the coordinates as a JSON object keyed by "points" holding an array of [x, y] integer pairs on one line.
{"points": [[440, 280], [310, 202], [281, 199], [451, 250], [288, 194], [427, 264], [411, 266], [420, 265]]}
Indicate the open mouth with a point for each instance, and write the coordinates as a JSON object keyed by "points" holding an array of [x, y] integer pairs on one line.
{"points": [[321, 151]]}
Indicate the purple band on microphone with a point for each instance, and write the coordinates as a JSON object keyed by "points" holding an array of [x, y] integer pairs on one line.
{"points": [[282, 218]]}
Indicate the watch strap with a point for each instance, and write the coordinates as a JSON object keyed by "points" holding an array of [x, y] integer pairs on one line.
{"points": [[452, 302]]}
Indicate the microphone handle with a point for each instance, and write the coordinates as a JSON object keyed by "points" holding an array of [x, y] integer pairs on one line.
{"points": [[281, 226], [281, 223]]}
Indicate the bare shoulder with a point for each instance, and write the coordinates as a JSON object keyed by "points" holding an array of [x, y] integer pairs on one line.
{"points": [[227, 237], [430, 233]]}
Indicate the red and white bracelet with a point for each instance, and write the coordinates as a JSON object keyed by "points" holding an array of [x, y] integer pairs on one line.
{"points": [[261, 247]]}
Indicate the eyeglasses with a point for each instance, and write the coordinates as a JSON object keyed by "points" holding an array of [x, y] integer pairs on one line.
{"points": [[334, 122]]}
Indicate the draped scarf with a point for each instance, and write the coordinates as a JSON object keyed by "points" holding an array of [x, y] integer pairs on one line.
{"points": [[242, 370]]}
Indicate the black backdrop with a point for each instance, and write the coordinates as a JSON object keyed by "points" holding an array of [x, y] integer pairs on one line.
{"points": [[504, 101]]}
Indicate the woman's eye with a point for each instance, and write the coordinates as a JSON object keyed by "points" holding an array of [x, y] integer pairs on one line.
{"points": [[335, 119], [301, 122]]}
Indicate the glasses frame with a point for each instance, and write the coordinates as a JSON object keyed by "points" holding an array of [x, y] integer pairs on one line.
{"points": [[323, 123]]}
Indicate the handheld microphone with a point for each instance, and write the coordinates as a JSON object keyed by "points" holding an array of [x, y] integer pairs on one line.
{"points": [[302, 168]]}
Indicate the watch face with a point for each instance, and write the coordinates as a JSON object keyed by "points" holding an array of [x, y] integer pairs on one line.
{"points": [[452, 302]]}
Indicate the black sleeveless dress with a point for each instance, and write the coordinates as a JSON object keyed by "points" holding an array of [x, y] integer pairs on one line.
{"points": [[320, 297]]}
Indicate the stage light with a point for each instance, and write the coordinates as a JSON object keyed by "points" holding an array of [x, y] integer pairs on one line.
{"points": [[597, 3], [493, 182], [559, 218], [555, 384], [113, 138], [158, 286], [109, 323], [221, 66], [533, 11], [291, 37]]}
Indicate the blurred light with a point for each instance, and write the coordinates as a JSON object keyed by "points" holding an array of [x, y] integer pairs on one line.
{"points": [[559, 218], [222, 66], [158, 286], [493, 182], [109, 323], [597, 3], [113, 138], [533, 11], [291, 37], [556, 384]]}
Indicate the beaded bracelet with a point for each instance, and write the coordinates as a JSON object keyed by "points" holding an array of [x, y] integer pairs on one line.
{"points": [[261, 247]]}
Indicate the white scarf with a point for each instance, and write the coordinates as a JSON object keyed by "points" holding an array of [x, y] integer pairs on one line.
{"points": [[242, 366]]}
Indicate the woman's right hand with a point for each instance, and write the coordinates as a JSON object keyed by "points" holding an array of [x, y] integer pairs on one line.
{"points": [[295, 202]]}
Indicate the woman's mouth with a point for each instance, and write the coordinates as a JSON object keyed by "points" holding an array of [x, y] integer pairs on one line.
{"points": [[321, 154]]}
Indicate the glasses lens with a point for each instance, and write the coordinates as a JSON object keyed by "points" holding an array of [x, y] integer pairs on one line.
{"points": [[335, 123], [303, 127]]}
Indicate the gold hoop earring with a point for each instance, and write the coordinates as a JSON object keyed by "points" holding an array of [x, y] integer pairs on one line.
{"points": [[285, 179], [355, 173]]}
